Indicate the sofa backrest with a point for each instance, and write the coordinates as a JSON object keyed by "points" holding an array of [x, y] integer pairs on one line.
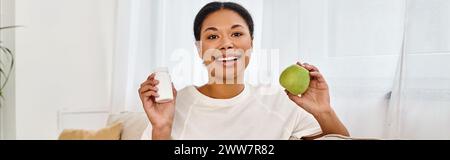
{"points": [[134, 124]]}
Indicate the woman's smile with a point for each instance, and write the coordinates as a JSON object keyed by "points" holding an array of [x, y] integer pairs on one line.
{"points": [[227, 60]]}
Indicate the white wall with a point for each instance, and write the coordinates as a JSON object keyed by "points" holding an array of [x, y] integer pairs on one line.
{"points": [[64, 59]]}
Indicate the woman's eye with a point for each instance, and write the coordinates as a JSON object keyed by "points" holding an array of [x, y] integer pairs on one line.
{"points": [[212, 37], [237, 34]]}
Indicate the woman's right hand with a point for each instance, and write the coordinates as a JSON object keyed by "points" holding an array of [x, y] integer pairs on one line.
{"points": [[160, 114]]}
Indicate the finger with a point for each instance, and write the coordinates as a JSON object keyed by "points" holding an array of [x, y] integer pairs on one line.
{"points": [[300, 64], [150, 94], [154, 82], [150, 82], [306, 65], [152, 76], [311, 68], [148, 88], [174, 91], [296, 99], [317, 76]]}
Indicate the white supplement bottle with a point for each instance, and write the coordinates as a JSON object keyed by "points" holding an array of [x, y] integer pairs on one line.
{"points": [[164, 86]]}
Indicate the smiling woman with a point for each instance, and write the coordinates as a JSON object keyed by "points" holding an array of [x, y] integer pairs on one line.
{"points": [[225, 107]]}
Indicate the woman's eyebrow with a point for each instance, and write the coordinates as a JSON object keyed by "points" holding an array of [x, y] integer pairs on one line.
{"points": [[236, 26], [210, 28], [215, 29]]}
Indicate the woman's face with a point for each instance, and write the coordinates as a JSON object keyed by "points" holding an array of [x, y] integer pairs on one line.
{"points": [[225, 46]]}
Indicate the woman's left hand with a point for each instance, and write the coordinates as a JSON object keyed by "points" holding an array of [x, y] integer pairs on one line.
{"points": [[316, 99]]}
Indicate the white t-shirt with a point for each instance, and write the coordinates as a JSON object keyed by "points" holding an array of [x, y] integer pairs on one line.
{"points": [[256, 113]]}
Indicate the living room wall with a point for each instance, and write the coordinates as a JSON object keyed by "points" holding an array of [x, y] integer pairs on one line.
{"points": [[64, 60]]}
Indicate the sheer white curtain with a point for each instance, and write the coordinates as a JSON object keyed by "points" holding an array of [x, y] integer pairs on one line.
{"points": [[420, 107], [357, 44]]}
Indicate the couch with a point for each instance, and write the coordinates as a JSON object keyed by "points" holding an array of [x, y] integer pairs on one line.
{"points": [[131, 125]]}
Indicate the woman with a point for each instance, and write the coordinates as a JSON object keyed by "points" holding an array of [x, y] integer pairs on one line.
{"points": [[225, 108]]}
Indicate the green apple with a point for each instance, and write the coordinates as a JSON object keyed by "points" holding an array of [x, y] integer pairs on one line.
{"points": [[295, 79]]}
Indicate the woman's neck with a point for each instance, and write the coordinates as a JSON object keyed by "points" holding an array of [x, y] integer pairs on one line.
{"points": [[221, 91]]}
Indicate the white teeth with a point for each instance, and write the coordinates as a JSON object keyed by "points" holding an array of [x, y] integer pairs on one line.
{"points": [[227, 59]]}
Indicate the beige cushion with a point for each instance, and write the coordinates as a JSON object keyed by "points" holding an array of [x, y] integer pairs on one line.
{"points": [[111, 132], [134, 124]]}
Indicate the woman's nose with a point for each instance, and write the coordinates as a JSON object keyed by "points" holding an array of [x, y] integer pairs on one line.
{"points": [[226, 44]]}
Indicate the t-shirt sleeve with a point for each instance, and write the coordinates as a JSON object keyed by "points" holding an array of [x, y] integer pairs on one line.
{"points": [[305, 125], [147, 133]]}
